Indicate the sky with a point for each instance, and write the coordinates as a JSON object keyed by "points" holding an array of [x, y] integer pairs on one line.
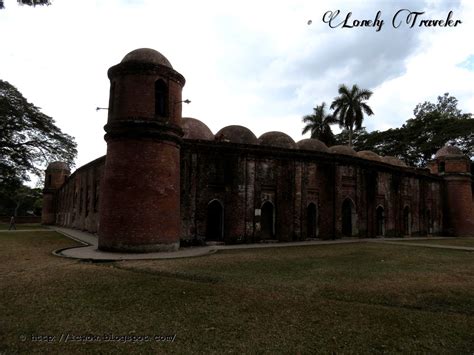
{"points": [[260, 64]]}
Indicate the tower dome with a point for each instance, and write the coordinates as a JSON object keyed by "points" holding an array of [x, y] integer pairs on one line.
{"points": [[448, 151], [147, 55]]}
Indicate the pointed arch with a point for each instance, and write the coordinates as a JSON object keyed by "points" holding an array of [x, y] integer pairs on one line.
{"points": [[215, 221], [312, 220], [406, 220], [161, 98], [379, 221], [349, 218], [268, 220]]}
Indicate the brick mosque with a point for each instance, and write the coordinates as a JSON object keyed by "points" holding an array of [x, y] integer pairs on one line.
{"points": [[168, 181]]}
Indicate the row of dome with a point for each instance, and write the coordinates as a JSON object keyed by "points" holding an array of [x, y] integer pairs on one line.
{"points": [[195, 129]]}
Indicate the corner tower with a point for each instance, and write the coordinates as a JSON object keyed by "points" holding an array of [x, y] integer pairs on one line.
{"points": [[455, 168], [140, 202], [55, 176]]}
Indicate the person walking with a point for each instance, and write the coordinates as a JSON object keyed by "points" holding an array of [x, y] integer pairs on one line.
{"points": [[12, 224]]}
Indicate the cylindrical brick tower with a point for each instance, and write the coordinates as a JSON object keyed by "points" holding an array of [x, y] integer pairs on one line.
{"points": [[140, 201], [455, 168], [55, 176]]}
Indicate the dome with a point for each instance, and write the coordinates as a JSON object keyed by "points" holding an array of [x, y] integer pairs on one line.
{"points": [[195, 129], [147, 55], [342, 149], [277, 139], [393, 161], [57, 165], [370, 155], [312, 144], [449, 151], [236, 134]]}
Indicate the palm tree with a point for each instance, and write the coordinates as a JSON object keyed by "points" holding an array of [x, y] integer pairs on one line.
{"points": [[319, 123], [349, 107]]}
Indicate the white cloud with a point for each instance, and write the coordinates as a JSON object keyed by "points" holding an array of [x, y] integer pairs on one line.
{"points": [[253, 63]]}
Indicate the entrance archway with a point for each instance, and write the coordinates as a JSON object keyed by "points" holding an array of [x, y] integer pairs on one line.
{"points": [[406, 221], [215, 221], [268, 220], [312, 220], [380, 221], [349, 218]]}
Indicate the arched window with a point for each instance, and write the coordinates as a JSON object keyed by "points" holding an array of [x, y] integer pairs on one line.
{"points": [[112, 97], [441, 167], [215, 221], [380, 221], [406, 221], [268, 220], [312, 220], [349, 218], [161, 98], [49, 180]]}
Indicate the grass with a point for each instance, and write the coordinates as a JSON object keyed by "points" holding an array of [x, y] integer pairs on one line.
{"points": [[458, 242], [22, 226], [362, 298]]}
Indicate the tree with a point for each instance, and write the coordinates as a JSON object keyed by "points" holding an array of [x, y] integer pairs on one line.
{"points": [[319, 123], [28, 2], [29, 139], [349, 107], [417, 141]]}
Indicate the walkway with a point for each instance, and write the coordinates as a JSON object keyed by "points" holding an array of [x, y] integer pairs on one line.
{"points": [[90, 251]]}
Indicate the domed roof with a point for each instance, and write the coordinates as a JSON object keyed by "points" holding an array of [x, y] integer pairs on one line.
{"points": [[147, 55], [342, 149], [393, 160], [57, 165], [449, 151], [370, 155], [195, 129], [236, 134], [312, 144], [277, 139]]}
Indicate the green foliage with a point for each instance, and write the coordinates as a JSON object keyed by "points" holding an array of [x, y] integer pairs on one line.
{"points": [[318, 123], [28, 2], [349, 107], [29, 139], [17, 199], [416, 142]]}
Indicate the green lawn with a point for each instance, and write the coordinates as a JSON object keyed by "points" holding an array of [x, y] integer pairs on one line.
{"points": [[22, 226], [357, 298], [458, 242]]}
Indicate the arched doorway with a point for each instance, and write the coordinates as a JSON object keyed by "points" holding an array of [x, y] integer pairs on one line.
{"points": [[429, 222], [349, 218], [215, 221], [380, 221], [312, 220], [406, 221], [268, 220]]}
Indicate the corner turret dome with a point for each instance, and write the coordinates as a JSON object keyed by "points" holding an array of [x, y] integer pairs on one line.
{"points": [[57, 165], [277, 139], [147, 55], [449, 151]]}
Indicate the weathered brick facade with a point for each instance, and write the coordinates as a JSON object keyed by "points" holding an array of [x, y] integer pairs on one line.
{"points": [[167, 179]]}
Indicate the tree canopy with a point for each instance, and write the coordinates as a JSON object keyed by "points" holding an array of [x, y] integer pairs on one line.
{"points": [[29, 139], [318, 123], [416, 142], [349, 107], [28, 2]]}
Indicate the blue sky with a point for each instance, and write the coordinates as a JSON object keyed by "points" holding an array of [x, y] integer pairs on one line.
{"points": [[253, 63]]}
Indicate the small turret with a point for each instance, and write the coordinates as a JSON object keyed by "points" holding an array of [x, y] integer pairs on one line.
{"points": [[55, 176], [454, 167]]}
